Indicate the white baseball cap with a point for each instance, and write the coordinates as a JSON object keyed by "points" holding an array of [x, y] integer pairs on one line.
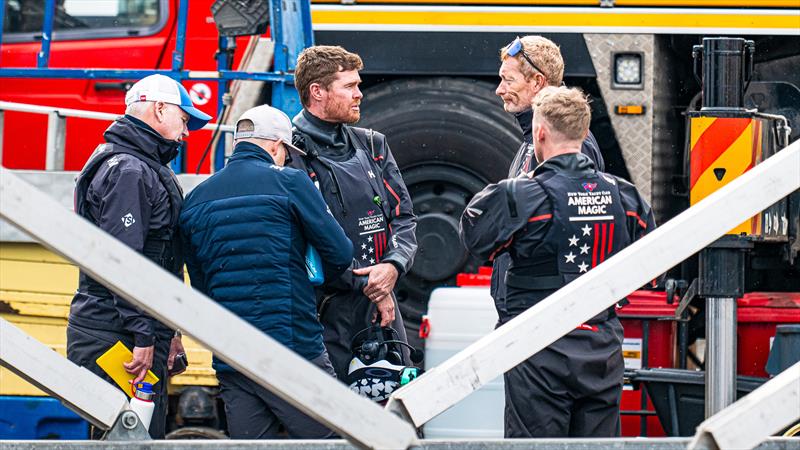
{"points": [[161, 88], [268, 123]]}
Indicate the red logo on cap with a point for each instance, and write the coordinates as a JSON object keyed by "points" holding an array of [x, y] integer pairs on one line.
{"points": [[142, 98]]}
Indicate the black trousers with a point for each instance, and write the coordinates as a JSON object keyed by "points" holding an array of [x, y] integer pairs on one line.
{"points": [[570, 389], [256, 413], [85, 345], [343, 316]]}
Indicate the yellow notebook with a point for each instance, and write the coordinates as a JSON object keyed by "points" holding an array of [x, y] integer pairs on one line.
{"points": [[111, 362]]}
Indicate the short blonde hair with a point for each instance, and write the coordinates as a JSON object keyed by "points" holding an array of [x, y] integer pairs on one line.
{"points": [[566, 110], [544, 53]]}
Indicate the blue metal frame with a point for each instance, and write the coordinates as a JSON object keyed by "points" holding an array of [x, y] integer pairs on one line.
{"points": [[2, 21], [180, 37], [226, 48], [43, 58], [135, 74], [291, 32]]}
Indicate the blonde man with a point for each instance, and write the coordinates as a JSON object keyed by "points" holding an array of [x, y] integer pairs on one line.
{"points": [[557, 223], [529, 64]]}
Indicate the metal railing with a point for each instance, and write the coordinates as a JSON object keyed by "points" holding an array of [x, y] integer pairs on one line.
{"points": [[57, 127]]}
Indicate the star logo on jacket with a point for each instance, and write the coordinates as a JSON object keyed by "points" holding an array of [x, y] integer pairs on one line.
{"points": [[371, 212], [589, 187], [128, 220]]}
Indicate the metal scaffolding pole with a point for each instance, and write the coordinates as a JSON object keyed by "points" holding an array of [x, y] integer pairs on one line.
{"points": [[720, 354]]}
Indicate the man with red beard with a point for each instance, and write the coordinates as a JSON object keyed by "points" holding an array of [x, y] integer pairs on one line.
{"points": [[361, 184]]}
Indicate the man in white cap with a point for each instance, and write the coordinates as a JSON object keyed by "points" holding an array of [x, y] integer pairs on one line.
{"points": [[244, 233], [128, 190]]}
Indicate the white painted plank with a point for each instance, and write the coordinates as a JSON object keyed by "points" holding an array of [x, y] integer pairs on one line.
{"points": [[600, 288], [251, 352], [751, 420], [82, 391]]}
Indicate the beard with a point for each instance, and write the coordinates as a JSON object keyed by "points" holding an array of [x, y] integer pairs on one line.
{"points": [[515, 106], [341, 112]]}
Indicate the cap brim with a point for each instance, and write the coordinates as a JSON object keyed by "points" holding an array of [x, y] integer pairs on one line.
{"points": [[293, 148], [197, 119]]}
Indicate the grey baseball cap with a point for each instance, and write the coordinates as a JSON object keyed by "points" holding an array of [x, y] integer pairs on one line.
{"points": [[267, 123]]}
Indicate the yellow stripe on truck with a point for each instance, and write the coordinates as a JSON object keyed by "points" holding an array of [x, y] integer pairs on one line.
{"points": [[524, 19], [738, 158], [698, 126]]}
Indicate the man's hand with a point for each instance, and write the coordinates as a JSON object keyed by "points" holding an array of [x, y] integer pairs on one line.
{"points": [[175, 348], [385, 306], [380, 283], [142, 362]]}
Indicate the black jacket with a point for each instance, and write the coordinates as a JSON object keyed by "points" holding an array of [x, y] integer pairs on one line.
{"points": [[336, 142], [127, 199], [524, 120], [514, 216]]}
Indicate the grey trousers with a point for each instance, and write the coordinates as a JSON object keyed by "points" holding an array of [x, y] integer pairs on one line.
{"points": [[256, 413]]}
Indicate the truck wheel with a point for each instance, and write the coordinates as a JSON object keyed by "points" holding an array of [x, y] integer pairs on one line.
{"points": [[450, 137], [195, 433]]}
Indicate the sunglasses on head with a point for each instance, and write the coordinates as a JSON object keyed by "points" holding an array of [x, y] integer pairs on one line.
{"points": [[515, 48]]}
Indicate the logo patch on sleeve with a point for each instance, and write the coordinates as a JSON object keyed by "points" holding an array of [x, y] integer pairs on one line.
{"points": [[128, 220]]}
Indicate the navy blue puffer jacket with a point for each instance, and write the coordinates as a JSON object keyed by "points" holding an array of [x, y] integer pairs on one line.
{"points": [[244, 232]]}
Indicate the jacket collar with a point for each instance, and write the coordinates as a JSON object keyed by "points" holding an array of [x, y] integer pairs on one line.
{"points": [[524, 119], [245, 150], [134, 134], [327, 138], [576, 163]]}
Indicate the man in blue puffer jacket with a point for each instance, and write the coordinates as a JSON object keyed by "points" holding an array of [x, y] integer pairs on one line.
{"points": [[244, 232]]}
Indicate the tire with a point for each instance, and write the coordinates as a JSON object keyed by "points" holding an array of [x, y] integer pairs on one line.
{"points": [[196, 433], [450, 137]]}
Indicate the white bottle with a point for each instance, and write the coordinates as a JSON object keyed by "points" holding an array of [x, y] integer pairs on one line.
{"points": [[142, 403]]}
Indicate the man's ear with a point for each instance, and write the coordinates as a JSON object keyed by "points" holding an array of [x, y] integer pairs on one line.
{"points": [[539, 82], [159, 111], [316, 91], [539, 131]]}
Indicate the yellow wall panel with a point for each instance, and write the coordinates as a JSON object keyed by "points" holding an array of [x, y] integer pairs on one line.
{"points": [[41, 277], [36, 288]]}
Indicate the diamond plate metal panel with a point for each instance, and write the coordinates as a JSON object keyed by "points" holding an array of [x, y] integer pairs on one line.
{"points": [[634, 133]]}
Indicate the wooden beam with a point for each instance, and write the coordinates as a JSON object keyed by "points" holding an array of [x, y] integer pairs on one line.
{"points": [[256, 355], [82, 391], [601, 287], [750, 421]]}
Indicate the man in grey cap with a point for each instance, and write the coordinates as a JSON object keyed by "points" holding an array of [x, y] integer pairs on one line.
{"points": [[244, 232]]}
